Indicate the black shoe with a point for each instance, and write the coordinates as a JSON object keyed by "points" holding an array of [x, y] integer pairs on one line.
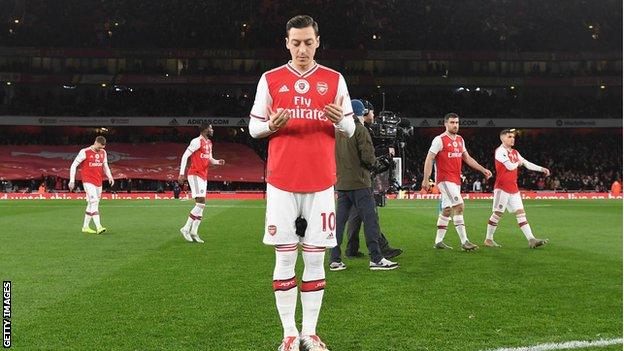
{"points": [[391, 253], [354, 255]]}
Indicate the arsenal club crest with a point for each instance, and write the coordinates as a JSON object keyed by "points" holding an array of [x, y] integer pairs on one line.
{"points": [[321, 88], [302, 86]]}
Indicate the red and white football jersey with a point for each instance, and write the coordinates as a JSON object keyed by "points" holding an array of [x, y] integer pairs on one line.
{"points": [[201, 156], [506, 180], [301, 154], [92, 165], [448, 160]]}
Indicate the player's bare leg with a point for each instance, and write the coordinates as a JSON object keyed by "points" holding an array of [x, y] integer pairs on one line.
{"points": [[460, 227], [285, 288], [526, 230], [491, 228], [443, 218]]}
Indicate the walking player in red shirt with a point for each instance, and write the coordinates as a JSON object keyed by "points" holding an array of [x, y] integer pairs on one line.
{"points": [[298, 106], [93, 161], [506, 192], [449, 150], [199, 152]]}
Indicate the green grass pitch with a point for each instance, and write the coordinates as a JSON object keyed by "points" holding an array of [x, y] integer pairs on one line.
{"points": [[141, 287]]}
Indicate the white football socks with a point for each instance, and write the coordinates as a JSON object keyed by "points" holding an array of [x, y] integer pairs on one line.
{"points": [[196, 217], [312, 287], [442, 225], [524, 226], [458, 220], [285, 287], [491, 227]]}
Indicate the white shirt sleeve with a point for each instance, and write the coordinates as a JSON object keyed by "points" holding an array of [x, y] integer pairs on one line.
{"points": [[347, 124], [436, 145], [82, 155], [107, 170], [528, 165], [501, 155], [259, 129], [193, 146], [258, 117]]}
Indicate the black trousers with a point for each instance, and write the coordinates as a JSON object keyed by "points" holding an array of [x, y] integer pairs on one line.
{"points": [[354, 223], [364, 203]]}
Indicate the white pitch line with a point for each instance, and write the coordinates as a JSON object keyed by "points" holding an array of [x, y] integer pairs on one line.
{"points": [[569, 345]]}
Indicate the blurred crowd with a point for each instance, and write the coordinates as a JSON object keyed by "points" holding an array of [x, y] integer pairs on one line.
{"points": [[587, 161], [232, 102], [531, 25]]}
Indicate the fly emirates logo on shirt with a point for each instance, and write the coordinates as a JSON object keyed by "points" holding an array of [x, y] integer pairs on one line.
{"points": [[303, 109], [456, 151], [206, 153], [94, 161]]}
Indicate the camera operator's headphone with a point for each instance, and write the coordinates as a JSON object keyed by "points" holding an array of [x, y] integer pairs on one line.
{"points": [[367, 107]]}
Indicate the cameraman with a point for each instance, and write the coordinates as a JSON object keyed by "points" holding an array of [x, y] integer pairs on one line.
{"points": [[355, 157], [355, 222]]}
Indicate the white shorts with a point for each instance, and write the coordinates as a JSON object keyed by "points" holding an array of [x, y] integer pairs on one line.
{"points": [[283, 208], [506, 201], [94, 193], [197, 186], [450, 194]]}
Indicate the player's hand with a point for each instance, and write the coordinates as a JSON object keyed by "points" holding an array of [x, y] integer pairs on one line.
{"points": [[181, 179], [487, 173], [334, 111], [278, 119], [545, 171], [111, 181], [71, 186], [425, 184], [221, 162]]}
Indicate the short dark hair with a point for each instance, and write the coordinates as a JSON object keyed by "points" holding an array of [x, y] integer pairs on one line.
{"points": [[100, 139], [302, 21], [507, 131], [204, 126], [449, 116]]}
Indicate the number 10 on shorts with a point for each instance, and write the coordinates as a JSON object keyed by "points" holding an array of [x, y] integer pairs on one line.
{"points": [[328, 220]]}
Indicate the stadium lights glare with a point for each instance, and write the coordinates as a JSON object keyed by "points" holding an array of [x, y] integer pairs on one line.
{"points": [[116, 24], [69, 86], [590, 27], [477, 89], [8, 83], [103, 85], [16, 21], [512, 87], [603, 86]]}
